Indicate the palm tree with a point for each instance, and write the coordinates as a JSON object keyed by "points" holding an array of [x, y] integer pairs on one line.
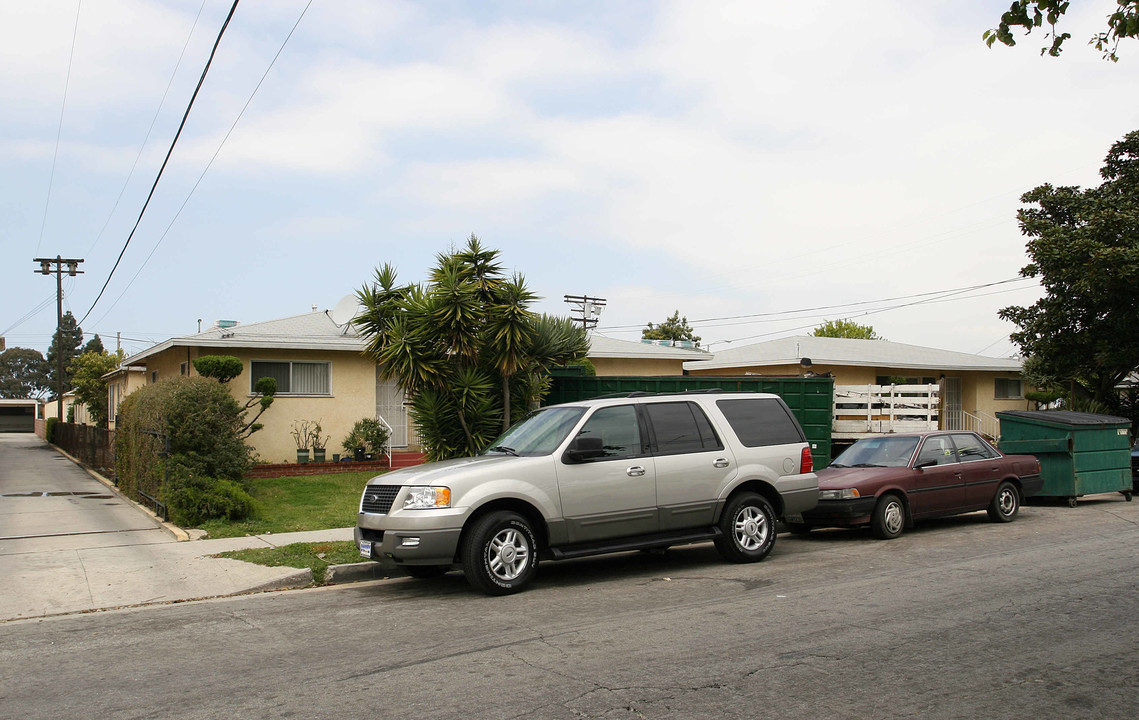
{"points": [[449, 343]]}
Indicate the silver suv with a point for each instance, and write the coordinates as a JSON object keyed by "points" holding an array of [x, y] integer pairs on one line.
{"points": [[629, 472]]}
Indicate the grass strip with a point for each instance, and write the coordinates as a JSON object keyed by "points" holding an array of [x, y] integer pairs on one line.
{"points": [[297, 503], [315, 556]]}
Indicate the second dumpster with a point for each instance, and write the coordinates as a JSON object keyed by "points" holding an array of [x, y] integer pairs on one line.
{"points": [[1080, 453]]}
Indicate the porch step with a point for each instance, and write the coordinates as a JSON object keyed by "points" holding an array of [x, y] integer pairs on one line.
{"points": [[402, 459]]}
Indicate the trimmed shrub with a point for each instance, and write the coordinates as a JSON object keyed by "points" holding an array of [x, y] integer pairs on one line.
{"points": [[49, 429], [194, 500], [222, 368]]}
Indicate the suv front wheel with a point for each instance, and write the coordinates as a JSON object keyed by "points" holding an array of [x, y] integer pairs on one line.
{"points": [[500, 553], [747, 529]]}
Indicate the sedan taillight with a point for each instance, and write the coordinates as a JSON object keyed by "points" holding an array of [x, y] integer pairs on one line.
{"points": [[806, 463]]}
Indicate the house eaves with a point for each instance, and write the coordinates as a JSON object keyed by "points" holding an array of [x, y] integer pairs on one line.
{"points": [[311, 331]]}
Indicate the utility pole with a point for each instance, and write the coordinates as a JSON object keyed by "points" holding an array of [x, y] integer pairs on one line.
{"points": [[588, 307], [72, 270]]}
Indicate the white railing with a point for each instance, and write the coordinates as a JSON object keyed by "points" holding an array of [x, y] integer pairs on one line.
{"points": [[982, 423], [388, 445], [868, 409]]}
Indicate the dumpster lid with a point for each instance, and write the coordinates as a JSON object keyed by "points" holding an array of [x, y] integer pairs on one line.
{"points": [[1064, 417]]}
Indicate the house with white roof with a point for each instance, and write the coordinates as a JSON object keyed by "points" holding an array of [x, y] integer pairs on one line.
{"points": [[322, 374], [971, 388]]}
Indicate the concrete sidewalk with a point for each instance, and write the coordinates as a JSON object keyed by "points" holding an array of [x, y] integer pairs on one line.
{"points": [[52, 582]]}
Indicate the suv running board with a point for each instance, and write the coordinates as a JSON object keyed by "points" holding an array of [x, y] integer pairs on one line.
{"points": [[640, 542]]}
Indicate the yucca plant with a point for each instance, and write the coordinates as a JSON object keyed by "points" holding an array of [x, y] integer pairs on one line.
{"points": [[465, 347]]}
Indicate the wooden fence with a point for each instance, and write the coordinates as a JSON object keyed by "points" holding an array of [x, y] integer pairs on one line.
{"points": [[870, 409]]}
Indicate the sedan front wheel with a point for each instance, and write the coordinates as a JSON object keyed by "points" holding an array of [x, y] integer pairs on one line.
{"points": [[889, 519]]}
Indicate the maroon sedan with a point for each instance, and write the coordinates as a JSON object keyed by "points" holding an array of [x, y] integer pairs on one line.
{"points": [[887, 482]]}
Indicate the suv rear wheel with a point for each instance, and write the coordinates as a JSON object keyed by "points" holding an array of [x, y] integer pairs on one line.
{"points": [[747, 529], [500, 553]]}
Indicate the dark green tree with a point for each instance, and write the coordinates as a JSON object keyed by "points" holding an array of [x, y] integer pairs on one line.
{"points": [[1084, 246], [94, 345], [64, 345], [1122, 23], [674, 327], [23, 374], [465, 347], [846, 329]]}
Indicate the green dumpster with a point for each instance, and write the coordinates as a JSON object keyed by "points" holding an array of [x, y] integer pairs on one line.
{"points": [[1080, 453]]}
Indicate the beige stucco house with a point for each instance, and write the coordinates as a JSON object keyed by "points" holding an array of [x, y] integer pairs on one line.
{"points": [[322, 374], [972, 388]]}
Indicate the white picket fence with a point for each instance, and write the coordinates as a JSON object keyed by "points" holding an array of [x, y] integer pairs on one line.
{"points": [[871, 409]]}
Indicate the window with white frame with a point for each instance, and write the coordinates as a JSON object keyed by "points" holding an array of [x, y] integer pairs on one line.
{"points": [[1008, 389], [293, 378]]}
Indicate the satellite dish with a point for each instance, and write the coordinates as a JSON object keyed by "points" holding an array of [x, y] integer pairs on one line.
{"points": [[345, 310]]}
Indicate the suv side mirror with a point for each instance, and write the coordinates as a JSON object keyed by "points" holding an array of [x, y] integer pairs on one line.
{"points": [[585, 447]]}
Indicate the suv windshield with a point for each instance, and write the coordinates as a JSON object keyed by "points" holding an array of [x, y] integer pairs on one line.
{"points": [[878, 452], [539, 434]]}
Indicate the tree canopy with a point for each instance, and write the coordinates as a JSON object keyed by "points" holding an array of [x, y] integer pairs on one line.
{"points": [[1122, 23], [23, 374], [674, 327], [464, 346], [1084, 246], [87, 371], [846, 329]]}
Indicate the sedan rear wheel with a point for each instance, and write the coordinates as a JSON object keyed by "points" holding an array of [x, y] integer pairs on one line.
{"points": [[889, 519], [1005, 504]]}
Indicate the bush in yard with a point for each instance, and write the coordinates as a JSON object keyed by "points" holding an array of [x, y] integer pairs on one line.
{"points": [[193, 500], [203, 424], [49, 429]]}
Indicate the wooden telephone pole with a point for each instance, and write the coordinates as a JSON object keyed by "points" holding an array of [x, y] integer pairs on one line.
{"points": [[72, 270]]}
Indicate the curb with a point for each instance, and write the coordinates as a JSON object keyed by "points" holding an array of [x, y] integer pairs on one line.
{"points": [[354, 572], [300, 578]]}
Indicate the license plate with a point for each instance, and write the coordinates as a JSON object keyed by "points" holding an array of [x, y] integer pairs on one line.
{"points": [[366, 548], [794, 518]]}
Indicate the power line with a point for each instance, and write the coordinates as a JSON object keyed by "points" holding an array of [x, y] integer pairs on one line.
{"points": [[59, 131], [207, 167], [830, 307], [169, 152], [150, 129]]}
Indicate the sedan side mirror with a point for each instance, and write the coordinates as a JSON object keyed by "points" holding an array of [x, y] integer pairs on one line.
{"points": [[585, 447]]}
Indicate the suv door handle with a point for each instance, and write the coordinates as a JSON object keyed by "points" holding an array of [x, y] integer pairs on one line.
{"points": [[720, 463], [635, 471]]}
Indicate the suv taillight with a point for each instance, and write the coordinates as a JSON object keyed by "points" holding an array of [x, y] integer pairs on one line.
{"points": [[807, 463]]}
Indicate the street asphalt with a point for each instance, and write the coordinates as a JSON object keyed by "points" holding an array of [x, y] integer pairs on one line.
{"points": [[70, 542]]}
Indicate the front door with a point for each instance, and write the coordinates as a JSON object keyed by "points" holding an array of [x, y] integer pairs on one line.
{"points": [[390, 407], [952, 418], [613, 495]]}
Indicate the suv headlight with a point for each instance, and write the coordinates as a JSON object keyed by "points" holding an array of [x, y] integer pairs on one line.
{"points": [[421, 498], [844, 494]]}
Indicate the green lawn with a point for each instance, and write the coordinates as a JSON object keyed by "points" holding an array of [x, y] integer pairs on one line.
{"points": [[316, 556], [291, 504]]}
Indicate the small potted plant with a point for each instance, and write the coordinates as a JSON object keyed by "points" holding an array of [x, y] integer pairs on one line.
{"points": [[319, 442], [367, 437], [302, 435]]}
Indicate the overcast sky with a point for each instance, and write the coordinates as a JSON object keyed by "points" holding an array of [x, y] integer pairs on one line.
{"points": [[727, 160]]}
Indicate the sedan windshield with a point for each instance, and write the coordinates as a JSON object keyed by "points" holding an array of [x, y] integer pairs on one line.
{"points": [[878, 452], [539, 434]]}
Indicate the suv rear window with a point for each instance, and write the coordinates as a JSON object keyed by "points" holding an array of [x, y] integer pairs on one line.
{"points": [[680, 427], [762, 421]]}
